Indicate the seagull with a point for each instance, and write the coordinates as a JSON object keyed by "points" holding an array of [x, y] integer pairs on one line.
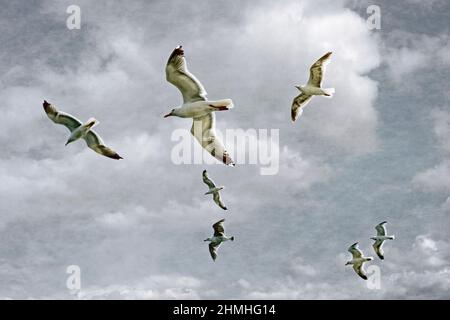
{"points": [[358, 260], [217, 239], [79, 130], [213, 190], [196, 106], [312, 88], [380, 238]]}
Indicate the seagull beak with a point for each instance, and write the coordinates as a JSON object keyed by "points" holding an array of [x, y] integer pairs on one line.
{"points": [[67, 143], [168, 115]]}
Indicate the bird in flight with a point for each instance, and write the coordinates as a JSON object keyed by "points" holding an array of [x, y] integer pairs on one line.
{"points": [[358, 260], [196, 106], [217, 239], [78, 130], [312, 88], [380, 238], [213, 190]]}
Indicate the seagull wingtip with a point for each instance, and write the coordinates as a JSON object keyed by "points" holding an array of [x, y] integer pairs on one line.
{"points": [[179, 50]]}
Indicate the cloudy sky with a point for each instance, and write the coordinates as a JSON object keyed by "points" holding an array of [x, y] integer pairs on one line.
{"points": [[378, 150]]}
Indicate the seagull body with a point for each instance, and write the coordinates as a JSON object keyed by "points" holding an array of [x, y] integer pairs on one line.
{"points": [[213, 190], [358, 260], [196, 106], [199, 109], [81, 131], [312, 88], [217, 239], [380, 238], [78, 130]]}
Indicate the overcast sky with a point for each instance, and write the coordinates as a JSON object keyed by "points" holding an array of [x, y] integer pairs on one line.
{"points": [[378, 150]]}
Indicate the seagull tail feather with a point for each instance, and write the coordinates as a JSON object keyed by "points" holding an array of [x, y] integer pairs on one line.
{"points": [[92, 122], [329, 92], [221, 105]]}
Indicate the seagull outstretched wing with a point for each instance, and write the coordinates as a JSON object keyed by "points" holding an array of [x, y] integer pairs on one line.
{"points": [[207, 180], [218, 200], [359, 269], [178, 75], [203, 129], [213, 250], [381, 229], [60, 117], [378, 248], [355, 251], [317, 70], [218, 228], [96, 143], [298, 104]]}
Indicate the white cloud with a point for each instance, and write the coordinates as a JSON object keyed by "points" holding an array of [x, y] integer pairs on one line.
{"points": [[133, 224], [408, 53], [348, 121], [303, 172], [437, 178]]}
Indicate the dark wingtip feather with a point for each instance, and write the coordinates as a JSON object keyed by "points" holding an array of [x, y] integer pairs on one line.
{"points": [[116, 156], [46, 105], [178, 51]]}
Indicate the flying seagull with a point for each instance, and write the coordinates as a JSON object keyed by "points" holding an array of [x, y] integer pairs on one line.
{"points": [[358, 260], [79, 130], [380, 238], [196, 106], [213, 190], [312, 88], [217, 239]]}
